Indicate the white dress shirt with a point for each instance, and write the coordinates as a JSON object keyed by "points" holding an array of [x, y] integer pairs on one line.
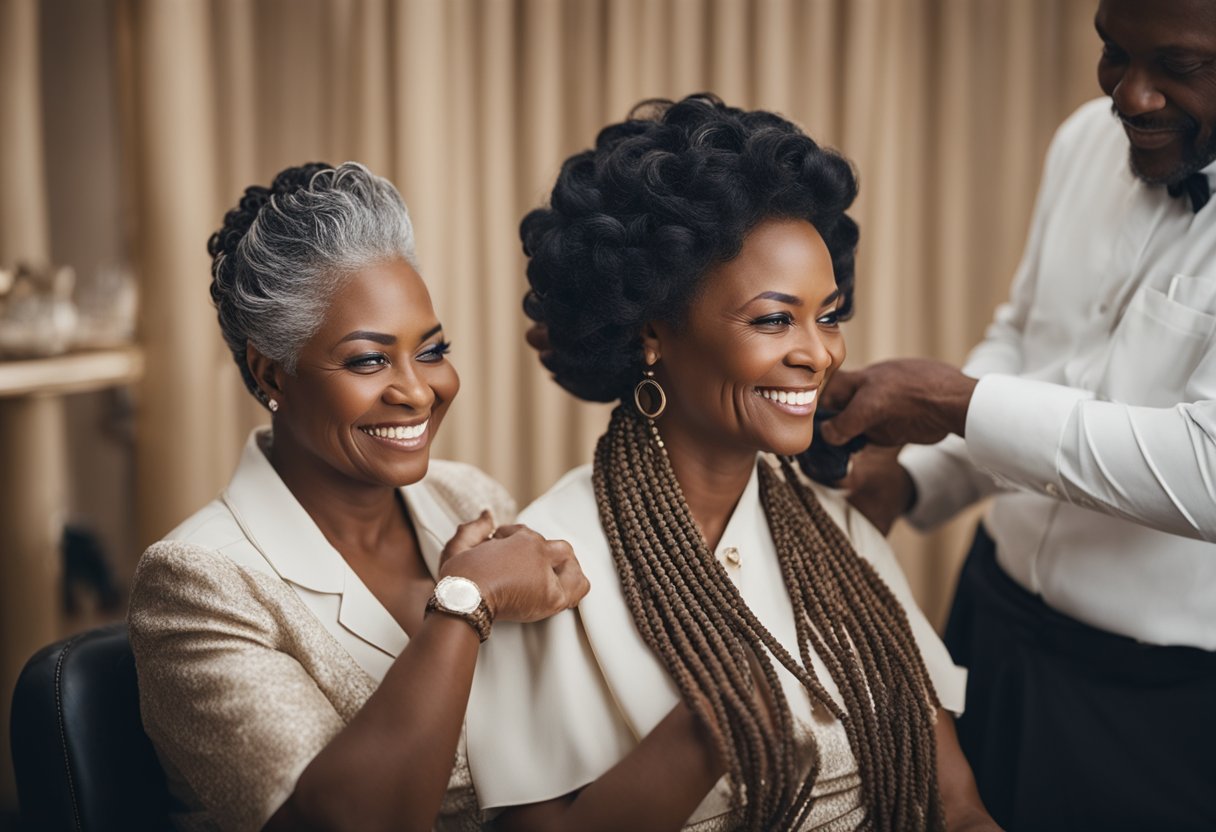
{"points": [[1095, 416], [559, 702]]}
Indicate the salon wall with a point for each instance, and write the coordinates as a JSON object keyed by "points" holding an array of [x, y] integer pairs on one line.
{"points": [[144, 119]]}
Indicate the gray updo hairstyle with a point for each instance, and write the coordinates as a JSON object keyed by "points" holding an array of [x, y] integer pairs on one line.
{"points": [[285, 250]]}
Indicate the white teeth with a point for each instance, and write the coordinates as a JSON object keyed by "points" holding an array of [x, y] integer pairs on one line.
{"points": [[802, 397], [399, 431]]}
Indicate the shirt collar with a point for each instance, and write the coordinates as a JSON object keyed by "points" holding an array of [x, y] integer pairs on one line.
{"points": [[1210, 173], [434, 522], [747, 522], [277, 525]]}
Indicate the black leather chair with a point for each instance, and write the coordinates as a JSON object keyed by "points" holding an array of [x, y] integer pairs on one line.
{"points": [[82, 759]]}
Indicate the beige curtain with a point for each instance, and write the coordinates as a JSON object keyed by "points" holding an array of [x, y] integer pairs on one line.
{"points": [[29, 553], [946, 107]]}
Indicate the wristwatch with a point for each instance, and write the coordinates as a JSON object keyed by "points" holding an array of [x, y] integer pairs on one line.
{"points": [[460, 597]]}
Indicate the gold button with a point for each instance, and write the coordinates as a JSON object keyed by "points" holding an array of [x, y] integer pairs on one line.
{"points": [[732, 555]]}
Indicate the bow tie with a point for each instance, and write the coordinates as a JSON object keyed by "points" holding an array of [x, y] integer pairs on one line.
{"points": [[1196, 187]]}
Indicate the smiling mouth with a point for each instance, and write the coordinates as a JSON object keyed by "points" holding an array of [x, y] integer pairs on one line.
{"points": [[1152, 138], [797, 402], [406, 437]]}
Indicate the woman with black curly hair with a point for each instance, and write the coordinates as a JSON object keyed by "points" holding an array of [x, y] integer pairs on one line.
{"points": [[695, 266]]}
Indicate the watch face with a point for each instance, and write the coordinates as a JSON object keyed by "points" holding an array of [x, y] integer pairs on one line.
{"points": [[458, 594]]}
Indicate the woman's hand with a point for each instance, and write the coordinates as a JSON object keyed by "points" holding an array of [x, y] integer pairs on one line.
{"points": [[678, 753], [521, 575], [965, 810], [411, 724]]}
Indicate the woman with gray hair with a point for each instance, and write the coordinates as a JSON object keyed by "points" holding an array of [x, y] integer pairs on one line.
{"points": [[291, 673]]}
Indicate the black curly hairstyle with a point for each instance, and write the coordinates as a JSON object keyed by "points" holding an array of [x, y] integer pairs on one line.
{"points": [[632, 229], [634, 224]]}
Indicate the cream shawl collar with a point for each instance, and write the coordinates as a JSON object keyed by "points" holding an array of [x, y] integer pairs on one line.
{"points": [[290, 542]]}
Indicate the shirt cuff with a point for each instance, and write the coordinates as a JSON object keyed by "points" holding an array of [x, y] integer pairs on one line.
{"points": [[943, 480], [1015, 428]]}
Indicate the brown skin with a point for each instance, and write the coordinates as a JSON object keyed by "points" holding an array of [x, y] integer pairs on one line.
{"points": [[878, 486], [390, 766], [900, 401], [677, 754], [893, 403], [965, 811], [1158, 65], [764, 320]]}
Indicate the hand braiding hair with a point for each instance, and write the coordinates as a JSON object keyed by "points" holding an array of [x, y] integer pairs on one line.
{"points": [[692, 616]]}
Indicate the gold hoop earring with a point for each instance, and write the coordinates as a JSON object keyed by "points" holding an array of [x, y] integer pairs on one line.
{"points": [[648, 386]]}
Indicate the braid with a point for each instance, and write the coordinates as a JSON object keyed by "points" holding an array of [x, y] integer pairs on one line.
{"points": [[692, 616]]}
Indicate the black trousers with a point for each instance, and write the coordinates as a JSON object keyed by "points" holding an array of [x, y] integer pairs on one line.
{"points": [[1068, 727]]}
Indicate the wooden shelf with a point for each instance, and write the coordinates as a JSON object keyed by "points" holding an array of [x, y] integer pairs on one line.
{"points": [[78, 372]]}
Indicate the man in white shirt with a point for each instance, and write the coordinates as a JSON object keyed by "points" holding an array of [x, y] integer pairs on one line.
{"points": [[1088, 617]]}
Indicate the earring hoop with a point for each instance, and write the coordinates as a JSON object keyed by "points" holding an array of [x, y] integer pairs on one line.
{"points": [[273, 404], [649, 386]]}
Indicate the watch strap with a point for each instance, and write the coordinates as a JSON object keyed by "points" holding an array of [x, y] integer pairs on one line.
{"points": [[479, 619]]}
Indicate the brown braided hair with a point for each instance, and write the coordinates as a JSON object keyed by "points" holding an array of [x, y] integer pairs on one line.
{"points": [[693, 618]]}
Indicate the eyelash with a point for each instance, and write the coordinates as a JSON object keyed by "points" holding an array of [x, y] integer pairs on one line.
{"points": [[1114, 55], [784, 319], [373, 360], [437, 352], [781, 319], [1181, 70], [367, 361]]}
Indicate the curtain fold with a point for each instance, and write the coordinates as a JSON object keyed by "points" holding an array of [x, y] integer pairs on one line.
{"points": [[30, 427], [179, 460], [469, 106], [24, 232]]}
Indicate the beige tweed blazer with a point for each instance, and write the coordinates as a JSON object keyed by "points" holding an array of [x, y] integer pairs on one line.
{"points": [[255, 643]]}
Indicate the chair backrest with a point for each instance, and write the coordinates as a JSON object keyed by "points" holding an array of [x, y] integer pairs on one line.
{"points": [[82, 759]]}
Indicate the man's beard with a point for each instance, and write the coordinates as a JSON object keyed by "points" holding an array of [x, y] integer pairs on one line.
{"points": [[1194, 164]]}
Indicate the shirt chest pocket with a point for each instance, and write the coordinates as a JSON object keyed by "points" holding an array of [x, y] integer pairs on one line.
{"points": [[1156, 347]]}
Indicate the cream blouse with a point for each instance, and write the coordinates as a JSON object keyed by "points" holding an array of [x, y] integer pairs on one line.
{"points": [[256, 643], [559, 702]]}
